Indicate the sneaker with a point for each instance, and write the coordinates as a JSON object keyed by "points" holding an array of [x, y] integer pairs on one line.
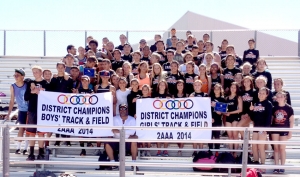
{"points": [[83, 152], [147, 153], [281, 171], [158, 154], [97, 152], [276, 171], [166, 154], [40, 157], [68, 143], [18, 151], [143, 153], [30, 158], [57, 143], [136, 168], [225, 134], [112, 168], [194, 154], [89, 144], [25, 152]]}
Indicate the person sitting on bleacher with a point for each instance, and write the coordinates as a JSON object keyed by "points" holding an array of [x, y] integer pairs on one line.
{"points": [[122, 120], [17, 91]]}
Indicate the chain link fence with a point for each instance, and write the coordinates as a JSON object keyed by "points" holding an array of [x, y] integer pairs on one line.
{"points": [[54, 42]]}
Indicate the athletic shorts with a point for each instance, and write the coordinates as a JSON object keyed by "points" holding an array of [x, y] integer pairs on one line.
{"points": [[280, 133], [22, 117], [231, 119], [116, 146], [31, 119]]}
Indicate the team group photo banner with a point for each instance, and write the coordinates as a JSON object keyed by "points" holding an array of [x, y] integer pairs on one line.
{"points": [[182, 112], [76, 109]]}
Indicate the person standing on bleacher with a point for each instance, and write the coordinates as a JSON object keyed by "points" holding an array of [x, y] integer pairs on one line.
{"points": [[17, 91]]}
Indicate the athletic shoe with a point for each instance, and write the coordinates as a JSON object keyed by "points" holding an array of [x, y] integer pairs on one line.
{"points": [[158, 154], [30, 158], [97, 152], [136, 168], [25, 152], [83, 152], [18, 151], [147, 153], [57, 143], [166, 154], [40, 157], [194, 154], [276, 171], [68, 143], [225, 134], [89, 144], [113, 168], [281, 171]]}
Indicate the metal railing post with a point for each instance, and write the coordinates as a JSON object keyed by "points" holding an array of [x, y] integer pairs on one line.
{"points": [[85, 37], [1, 135], [44, 42], [127, 33], [122, 153], [255, 38], [298, 46], [5, 151], [245, 152], [4, 42], [211, 36]]}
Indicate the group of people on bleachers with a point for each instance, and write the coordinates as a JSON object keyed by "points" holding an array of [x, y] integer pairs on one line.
{"points": [[179, 68]]}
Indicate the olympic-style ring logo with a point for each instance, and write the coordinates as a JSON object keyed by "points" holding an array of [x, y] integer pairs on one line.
{"points": [[77, 99], [173, 104]]}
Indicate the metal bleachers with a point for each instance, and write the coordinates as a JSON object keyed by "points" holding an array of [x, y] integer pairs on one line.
{"points": [[286, 68]]}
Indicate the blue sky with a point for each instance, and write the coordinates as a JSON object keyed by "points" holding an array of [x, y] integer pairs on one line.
{"points": [[129, 15]]}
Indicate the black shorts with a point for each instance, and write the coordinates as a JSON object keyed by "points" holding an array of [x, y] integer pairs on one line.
{"points": [[31, 119], [231, 119], [22, 117], [280, 133], [116, 146]]}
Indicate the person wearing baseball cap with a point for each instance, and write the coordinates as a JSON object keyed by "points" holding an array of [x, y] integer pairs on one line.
{"points": [[122, 120], [17, 91], [143, 43]]}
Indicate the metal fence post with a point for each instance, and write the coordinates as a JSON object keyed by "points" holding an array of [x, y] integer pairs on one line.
{"points": [[44, 42], [127, 33], [211, 36], [122, 153], [85, 37], [4, 42], [298, 45], [245, 152], [5, 151], [255, 38], [1, 135]]}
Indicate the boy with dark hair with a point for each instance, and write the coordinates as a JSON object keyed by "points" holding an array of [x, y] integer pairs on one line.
{"points": [[94, 45], [127, 52], [17, 91], [251, 55], [196, 58], [156, 38], [161, 51], [118, 60], [169, 40], [69, 61], [174, 40], [123, 40], [170, 56]]}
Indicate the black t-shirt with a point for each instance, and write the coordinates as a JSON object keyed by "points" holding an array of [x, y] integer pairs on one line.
{"points": [[153, 48], [215, 116], [146, 59], [117, 64], [171, 80], [265, 73], [166, 66], [223, 54], [32, 98], [154, 83], [87, 48], [232, 106], [84, 91], [269, 98], [127, 58], [229, 76], [197, 60], [131, 105], [247, 97], [189, 47], [121, 47], [251, 56], [158, 95], [262, 114], [281, 116], [134, 67], [189, 83], [163, 58], [201, 94], [59, 84], [215, 81]]}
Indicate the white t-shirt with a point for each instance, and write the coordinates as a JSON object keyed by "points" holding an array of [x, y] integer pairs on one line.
{"points": [[182, 68], [121, 98], [130, 121]]}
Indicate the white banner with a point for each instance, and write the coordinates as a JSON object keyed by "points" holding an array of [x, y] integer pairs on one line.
{"points": [[183, 112], [76, 109]]}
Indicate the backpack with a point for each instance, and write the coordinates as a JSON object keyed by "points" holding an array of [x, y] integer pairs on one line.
{"points": [[43, 174], [225, 158], [205, 158]]}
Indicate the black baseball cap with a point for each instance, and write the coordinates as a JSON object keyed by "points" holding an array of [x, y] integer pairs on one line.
{"points": [[20, 71]]}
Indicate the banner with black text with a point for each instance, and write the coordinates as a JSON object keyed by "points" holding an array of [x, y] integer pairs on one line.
{"points": [[76, 109], [182, 112]]}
